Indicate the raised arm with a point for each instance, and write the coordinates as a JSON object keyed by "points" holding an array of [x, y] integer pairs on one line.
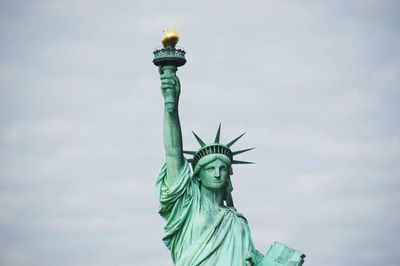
{"points": [[170, 88]]}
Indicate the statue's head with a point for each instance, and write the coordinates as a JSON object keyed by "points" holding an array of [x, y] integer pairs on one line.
{"points": [[213, 171], [212, 165]]}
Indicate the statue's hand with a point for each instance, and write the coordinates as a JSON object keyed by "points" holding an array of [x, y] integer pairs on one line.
{"points": [[170, 89]]}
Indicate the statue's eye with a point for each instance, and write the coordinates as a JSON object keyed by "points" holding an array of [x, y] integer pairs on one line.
{"points": [[210, 169]]}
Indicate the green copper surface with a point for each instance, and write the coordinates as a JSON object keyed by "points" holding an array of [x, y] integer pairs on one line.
{"points": [[202, 225]]}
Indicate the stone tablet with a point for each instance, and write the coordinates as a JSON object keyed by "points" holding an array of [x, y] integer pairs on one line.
{"points": [[279, 255]]}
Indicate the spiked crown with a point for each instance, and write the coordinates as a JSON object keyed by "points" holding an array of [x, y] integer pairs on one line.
{"points": [[216, 148]]}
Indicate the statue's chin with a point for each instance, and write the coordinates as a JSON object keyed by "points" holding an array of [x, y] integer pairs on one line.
{"points": [[215, 187]]}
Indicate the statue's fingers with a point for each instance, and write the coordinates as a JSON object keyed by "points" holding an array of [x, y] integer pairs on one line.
{"points": [[168, 81], [174, 76], [176, 79], [166, 86], [165, 75]]}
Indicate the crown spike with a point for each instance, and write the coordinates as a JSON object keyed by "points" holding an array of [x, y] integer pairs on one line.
{"points": [[241, 162], [233, 141], [218, 134], [199, 140], [241, 151]]}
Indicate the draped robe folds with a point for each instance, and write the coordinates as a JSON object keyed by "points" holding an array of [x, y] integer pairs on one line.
{"points": [[198, 232]]}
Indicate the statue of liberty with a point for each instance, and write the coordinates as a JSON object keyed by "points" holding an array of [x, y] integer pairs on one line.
{"points": [[202, 225]]}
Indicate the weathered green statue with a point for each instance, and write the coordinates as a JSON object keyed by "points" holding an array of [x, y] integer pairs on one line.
{"points": [[202, 225]]}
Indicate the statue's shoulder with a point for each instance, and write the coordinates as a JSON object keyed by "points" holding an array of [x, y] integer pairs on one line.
{"points": [[236, 213]]}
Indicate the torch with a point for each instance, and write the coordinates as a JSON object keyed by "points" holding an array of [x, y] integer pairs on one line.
{"points": [[168, 59]]}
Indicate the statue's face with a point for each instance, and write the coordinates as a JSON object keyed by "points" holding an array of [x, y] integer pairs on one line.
{"points": [[214, 175]]}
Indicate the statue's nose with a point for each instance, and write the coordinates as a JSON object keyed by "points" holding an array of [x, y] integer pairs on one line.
{"points": [[217, 174]]}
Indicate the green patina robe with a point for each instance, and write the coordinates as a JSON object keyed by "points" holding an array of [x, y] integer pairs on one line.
{"points": [[197, 231]]}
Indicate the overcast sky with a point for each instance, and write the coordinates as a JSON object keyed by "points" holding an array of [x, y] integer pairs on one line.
{"points": [[315, 84]]}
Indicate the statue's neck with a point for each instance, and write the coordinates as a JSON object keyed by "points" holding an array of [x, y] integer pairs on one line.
{"points": [[214, 197]]}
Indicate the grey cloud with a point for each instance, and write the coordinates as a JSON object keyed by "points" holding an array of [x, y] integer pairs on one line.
{"points": [[314, 84]]}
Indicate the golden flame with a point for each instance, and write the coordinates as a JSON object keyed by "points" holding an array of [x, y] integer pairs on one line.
{"points": [[170, 36]]}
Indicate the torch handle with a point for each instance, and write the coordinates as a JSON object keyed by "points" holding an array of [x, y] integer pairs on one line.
{"points": [[170, 97]]}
